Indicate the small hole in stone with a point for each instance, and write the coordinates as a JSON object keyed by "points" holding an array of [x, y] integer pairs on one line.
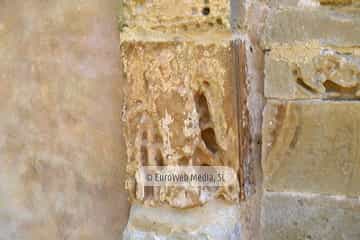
{"points": [[209, 138], [219, 21], [211, 24], [251, 49], [206, 11], [206, 83], [203, 109]]}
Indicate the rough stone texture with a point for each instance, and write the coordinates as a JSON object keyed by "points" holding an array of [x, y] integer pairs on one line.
{"points": [[337, 5], [181, 109], [309, 217], [61, 168], [286, 26], [215, 220], [311, 167], [335, 2], [248, 211], [191, 54], [307, 73], [251, 207], [312, 146], [175, 18]]}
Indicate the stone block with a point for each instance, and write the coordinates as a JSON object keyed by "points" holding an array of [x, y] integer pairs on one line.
{"points": [[175, 18], [309, 217], [335, 2], [215, 220], [182, 108], [291, 25], [310, 73], [347, 5], [312, 146]]}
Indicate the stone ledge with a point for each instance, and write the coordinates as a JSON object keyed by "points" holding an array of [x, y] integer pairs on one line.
{"points": [[215, 220]]}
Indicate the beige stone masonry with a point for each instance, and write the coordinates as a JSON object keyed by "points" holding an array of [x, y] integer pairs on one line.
{"points": [[309, 217], [182, 109], [193, 97], [312, 146], [312, 72], [300, 25], [175, 19], [215, 220], [337, 5]]}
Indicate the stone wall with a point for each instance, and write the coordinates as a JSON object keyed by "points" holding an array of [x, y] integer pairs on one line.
{"points": [[310, 136], [268, 88], [311, 70], [193, 97]]}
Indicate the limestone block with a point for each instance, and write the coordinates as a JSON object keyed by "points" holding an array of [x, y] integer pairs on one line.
{"points": [[309, 217], [182, 108], [177, 18], [216, 220], [341, 5], [291, 25], [302, 72], [312, 146], [335, 2]]}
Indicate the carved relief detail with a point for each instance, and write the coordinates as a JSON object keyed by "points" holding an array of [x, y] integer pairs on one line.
{"points": [[179, 110], [331, 74]]}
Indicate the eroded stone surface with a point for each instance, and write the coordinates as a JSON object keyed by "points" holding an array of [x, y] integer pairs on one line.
{"points": [[175, 18], [335, 2], [312, 146], [297, 25], [340, 5], [216, 220], [309, 217], [312, 73], [180, 110]]}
